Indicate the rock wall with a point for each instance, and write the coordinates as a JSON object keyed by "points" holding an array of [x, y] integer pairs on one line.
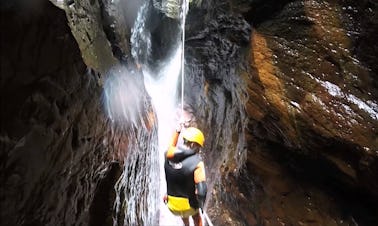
{"points": [[56, 144], [309, 124], [313, 117], [311, 109]]}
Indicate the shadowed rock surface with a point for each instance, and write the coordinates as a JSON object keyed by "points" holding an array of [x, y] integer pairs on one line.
{"points": [[285, 91]]}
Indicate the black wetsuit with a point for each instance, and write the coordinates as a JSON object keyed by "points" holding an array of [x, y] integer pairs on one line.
{"points": [[179, 174]]}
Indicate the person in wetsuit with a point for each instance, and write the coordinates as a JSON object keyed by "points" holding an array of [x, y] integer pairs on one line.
{"points": [[185, 176]]}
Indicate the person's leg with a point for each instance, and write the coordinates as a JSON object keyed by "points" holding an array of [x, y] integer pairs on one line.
{"points": [[197, 219], [185, 220]]}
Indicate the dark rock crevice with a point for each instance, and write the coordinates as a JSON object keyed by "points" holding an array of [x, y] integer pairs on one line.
{"points": [[116, 29], [351, 199], [52, 154], [260, 11], [104, 197], [360, 20]]}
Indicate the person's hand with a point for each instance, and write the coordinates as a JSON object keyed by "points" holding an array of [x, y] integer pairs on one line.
{"points": [[186, 123], [165, 199], [183, 123], [178, 127], [201, 203]]}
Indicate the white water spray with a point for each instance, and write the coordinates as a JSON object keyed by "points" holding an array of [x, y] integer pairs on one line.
{"points": [[140, 174], [163, 92], [122, 97], [141, 38]]}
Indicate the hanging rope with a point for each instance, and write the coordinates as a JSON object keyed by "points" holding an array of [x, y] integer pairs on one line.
{"points": [[183, 54], [204, 215], [184, 10]]}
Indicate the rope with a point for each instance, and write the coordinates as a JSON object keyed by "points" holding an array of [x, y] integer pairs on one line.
{"points": [[202, 212], [204, 215], [183, 54]]}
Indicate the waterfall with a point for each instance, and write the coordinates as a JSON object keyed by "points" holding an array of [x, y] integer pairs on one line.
{"points": [[141, 38], [141, 186], [128, 106], [129, 110], [162, 88], [163, 92]]}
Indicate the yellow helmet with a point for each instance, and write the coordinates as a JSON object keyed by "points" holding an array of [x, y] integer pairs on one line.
{"points": [[194, 135]]}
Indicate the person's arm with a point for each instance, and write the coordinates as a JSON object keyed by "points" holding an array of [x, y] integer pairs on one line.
{"points": [[200, 181], [172, 145], [174, 138]]}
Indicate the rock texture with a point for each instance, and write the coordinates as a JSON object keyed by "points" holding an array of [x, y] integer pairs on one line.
{"points": [[312, 110], [285, 91], [56, 163]]}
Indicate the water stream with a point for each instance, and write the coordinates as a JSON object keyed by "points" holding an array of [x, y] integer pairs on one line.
{"points": [[142, 184], [129, 109], [164, 96], [140, 188], [162, 88]]}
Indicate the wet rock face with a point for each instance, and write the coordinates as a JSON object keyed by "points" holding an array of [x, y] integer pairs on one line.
{"points": [[313, 115], [102, 30], [56, 144], [87, 20], [312, 110], [301, 150]]}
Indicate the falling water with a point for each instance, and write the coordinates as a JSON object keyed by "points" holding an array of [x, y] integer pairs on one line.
{"points": [[163, 90], [164, 95], [141, 37], [128, 107], [142, 183]]}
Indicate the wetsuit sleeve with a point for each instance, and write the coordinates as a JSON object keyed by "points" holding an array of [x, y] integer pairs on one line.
{"points": [[174, 139], [200, 181], [172, 145]]}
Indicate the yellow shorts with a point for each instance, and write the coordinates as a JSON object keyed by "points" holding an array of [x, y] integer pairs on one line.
{"points": [[180, 206]]}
